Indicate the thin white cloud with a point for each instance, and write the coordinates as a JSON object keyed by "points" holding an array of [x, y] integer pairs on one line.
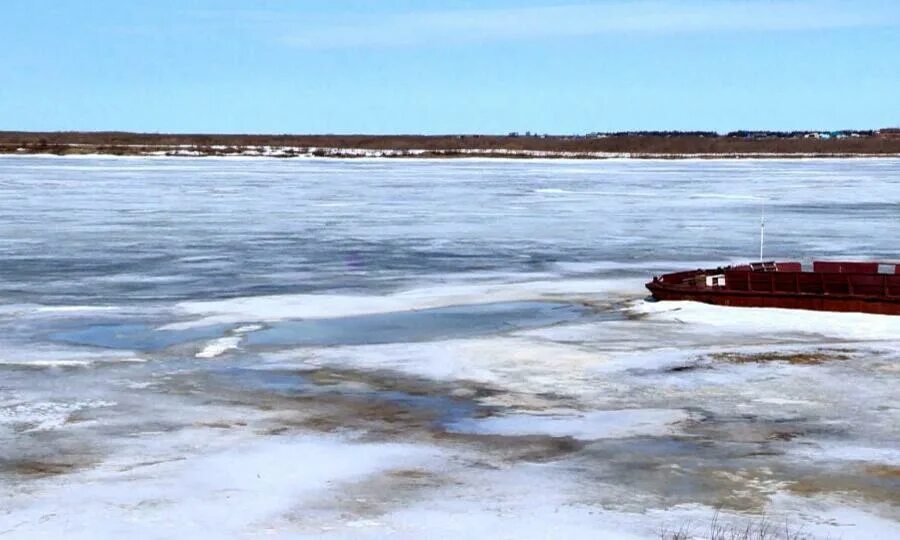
{"points": [[612, 17]]}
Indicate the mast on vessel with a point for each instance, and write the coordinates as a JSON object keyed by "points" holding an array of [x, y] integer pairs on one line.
{"points": [[762, 229]]}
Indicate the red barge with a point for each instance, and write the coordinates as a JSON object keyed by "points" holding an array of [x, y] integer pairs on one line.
{"points": [[866, 287]]}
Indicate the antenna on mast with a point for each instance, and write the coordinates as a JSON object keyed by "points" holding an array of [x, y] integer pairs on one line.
{"points": [[762, 229]]}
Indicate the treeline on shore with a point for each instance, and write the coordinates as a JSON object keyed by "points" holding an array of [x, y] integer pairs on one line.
{"points": [[850, 142]]}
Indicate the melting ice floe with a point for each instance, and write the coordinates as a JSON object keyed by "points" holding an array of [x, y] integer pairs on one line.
{"points": [[48, 356], [219, 346], [848, 452], [235, 487], [44, 415], [514, 363], [848, 326], [416, 325], [591, 425], [306, 306]]}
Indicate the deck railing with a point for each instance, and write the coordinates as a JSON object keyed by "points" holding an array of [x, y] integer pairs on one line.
{"points": [[813, 283]]}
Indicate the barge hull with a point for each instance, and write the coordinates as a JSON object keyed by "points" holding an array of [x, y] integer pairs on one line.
{"points": [[862, 287], [878, 306]]}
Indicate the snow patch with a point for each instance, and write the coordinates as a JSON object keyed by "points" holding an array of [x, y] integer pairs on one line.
{"points": [[219, 346], [247, 328], [848, 452], [44, 415], [316, 306], [50, 356], [241, 488], [584, 426], [850, 326]]}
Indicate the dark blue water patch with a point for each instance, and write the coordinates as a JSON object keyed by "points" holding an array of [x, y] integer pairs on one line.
{"points": [[405, 326], [443, 409], [420, 325], [136, 337], [280, 382]]}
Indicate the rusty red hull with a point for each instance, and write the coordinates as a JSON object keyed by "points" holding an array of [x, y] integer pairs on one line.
{"points": [[863, 291], [782, 300]]}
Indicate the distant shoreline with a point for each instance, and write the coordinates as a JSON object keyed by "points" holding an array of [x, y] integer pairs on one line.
{"points": [[645, 145], [356, 154]]}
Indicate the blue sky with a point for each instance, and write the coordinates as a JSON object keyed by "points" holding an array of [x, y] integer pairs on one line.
{"points": [[451, 66]]}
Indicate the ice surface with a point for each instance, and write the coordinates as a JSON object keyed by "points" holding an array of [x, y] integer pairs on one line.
{"points": [[586, 426], [231, 489], [848, 326], [219, 346], [275, 308], [43, 415], [13, 354], [228, 348]]}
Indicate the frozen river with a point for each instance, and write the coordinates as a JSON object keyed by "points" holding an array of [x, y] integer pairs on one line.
{"points": [[220, 348]]}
